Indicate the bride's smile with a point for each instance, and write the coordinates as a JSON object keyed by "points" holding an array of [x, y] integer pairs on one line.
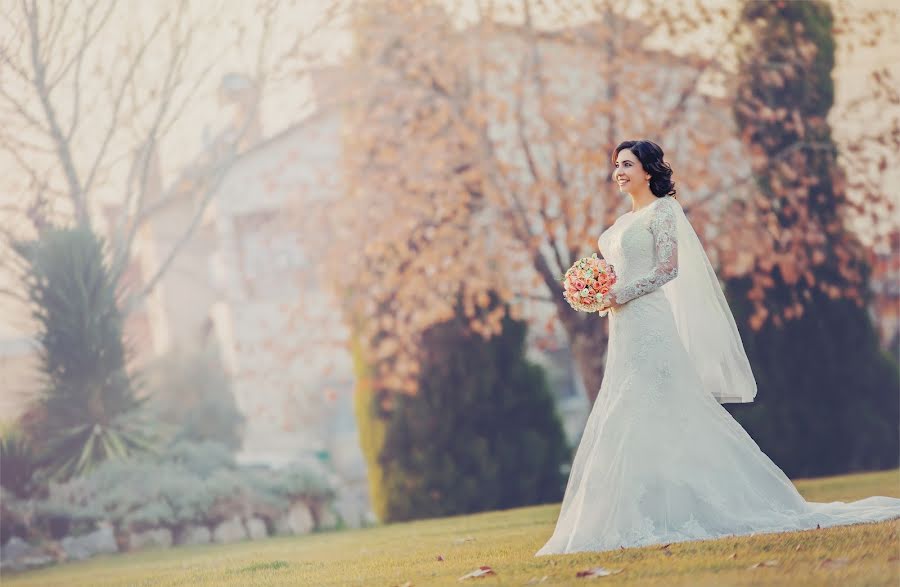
{"points": [[629, 174]]}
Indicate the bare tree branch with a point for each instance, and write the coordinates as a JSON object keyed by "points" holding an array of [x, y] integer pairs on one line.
{"points": [[88, 37], [21, 110], [532, 165], [691, 87], [62, 147], [117, 103], [558, 168], [53, 32], [219, 171]]}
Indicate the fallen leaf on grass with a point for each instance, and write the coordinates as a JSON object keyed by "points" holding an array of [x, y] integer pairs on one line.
{"points": [[597, 572], [479, 572], [772, 563], [835, 563]]}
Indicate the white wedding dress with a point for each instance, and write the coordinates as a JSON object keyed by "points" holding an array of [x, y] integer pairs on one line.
{"points": [[660, 459]]}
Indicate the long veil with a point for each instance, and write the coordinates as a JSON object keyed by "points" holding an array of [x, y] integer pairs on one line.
{"points": [[705, 323]]}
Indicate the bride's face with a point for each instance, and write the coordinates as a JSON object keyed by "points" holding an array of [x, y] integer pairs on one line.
{"points": [[629, 174]]}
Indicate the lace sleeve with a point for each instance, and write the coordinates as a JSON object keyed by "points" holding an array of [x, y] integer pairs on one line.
{"points": [[665, 268]]}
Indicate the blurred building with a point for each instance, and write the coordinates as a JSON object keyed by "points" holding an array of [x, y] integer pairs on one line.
{"points": [[278, 326], [174, 312], [246, 280]]}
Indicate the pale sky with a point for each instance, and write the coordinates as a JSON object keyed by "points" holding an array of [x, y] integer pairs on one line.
{"points": [[288, 100]]}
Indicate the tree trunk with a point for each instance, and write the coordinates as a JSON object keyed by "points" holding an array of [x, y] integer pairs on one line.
{"points": [[588, 339]]}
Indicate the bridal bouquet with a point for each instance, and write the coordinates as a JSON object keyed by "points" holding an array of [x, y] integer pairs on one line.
{"points": [[586, 282]]}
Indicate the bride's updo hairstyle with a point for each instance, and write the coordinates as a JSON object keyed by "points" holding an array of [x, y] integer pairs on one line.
{"points": [[651, 157]]}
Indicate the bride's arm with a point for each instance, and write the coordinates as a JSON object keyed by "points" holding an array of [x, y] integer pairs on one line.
{"points": [[665, 268]]}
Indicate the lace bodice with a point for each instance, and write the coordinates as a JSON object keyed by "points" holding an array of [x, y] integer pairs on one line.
{"points": [[642, 246]]}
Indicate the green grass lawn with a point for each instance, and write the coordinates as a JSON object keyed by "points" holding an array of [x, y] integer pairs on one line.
{"points": [[865, 554]]}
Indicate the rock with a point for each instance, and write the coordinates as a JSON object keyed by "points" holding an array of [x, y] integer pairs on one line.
{"points": [[29, 562], [351, 504], [370, 519], [256, 529], [156, 538], [100, 541], [15, 548], [193, 535], [300, 519], [350, 511], [230, 531], [281, 526], [18, 555], [54, 549]]}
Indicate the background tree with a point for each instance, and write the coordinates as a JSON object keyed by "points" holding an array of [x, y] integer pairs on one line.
{"points": [[828, 400], [476, 158], [483, 417], [531, 201], [410, 207]]}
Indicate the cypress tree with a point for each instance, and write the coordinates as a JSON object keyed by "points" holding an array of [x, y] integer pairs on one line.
{"points": [[480, 434], [828, 400]]}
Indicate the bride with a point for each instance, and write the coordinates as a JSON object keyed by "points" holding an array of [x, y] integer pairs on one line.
{"points": [[660, 459]]}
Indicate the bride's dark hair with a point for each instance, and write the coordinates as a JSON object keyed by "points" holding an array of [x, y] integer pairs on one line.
{"points": [[651, 157]]}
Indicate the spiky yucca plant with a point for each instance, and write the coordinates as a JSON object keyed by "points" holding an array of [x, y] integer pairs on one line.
{"points": [[88, 406], [18, 462]]}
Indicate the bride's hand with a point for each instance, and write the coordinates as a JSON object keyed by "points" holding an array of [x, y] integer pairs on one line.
{"points": [[605, 304]]}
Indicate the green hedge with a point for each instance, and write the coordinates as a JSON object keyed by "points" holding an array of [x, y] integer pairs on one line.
{"points": [[481, 433]]}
